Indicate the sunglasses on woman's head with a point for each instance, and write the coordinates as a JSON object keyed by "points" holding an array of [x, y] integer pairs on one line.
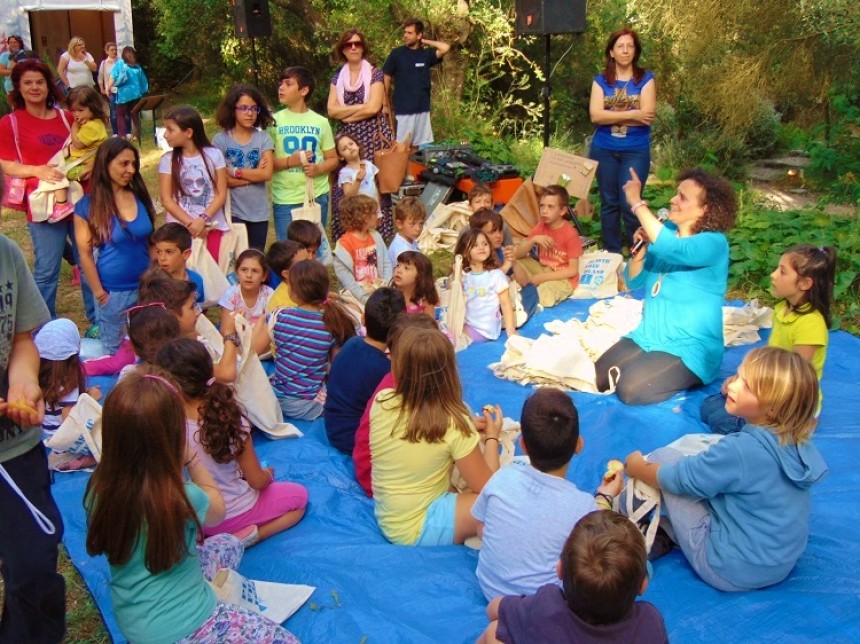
{"points": [[255, 109], [354, 44]]}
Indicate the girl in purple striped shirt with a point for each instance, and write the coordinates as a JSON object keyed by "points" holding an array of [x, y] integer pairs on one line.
{"points": [[307, 337]]}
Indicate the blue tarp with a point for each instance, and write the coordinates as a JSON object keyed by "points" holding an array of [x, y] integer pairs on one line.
{"points": [[369, 588]]}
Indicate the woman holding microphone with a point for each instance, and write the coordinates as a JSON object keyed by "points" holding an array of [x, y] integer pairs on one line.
{"points": [[683, 266]]}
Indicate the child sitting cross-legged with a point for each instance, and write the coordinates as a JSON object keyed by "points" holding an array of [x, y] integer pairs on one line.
{"points": [[360, 257], [257, 506], [534, 504], [603, 567], [555, 272], [359, 367], [409, 216], [307, 337], [419, 428], [171, 245], [249, 296]]}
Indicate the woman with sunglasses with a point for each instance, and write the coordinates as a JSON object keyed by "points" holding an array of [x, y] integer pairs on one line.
{"points": [[116, 218], [249, 151], [356, 98]]}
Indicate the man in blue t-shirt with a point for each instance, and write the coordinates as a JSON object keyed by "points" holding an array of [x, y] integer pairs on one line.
{"points": [[409, 65]]}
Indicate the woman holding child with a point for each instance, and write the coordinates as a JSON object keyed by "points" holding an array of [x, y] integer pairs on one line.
{"points": [[683, 267], [29, 137], [356, 98]]}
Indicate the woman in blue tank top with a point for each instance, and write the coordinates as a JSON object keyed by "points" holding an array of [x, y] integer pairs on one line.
{"points": [[622, 105]]}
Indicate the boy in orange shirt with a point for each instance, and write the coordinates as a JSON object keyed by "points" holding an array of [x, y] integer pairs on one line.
{"points": [[555, 272]]}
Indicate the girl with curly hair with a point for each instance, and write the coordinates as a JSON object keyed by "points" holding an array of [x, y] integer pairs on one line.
{"points": [[219, 435], [683, 266]]}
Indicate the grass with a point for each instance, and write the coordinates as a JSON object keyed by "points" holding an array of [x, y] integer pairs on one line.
{"points": [[84, 622]]}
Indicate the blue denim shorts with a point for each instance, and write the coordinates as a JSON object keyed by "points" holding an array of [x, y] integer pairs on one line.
{"points": [[438, 527]]}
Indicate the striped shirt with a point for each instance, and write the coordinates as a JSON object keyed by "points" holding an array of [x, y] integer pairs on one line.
{"points": [[302, 346]]}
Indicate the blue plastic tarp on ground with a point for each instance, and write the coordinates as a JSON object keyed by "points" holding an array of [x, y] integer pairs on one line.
{"points": [[369, 588]]}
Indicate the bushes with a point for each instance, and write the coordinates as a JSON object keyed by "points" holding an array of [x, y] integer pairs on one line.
{"points": [[835, 157]]}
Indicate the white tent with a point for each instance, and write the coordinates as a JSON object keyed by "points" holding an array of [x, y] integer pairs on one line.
{"points": [[47, 25]]}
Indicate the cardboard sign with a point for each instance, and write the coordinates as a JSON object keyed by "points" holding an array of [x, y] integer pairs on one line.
{"points": [[561, 168]]}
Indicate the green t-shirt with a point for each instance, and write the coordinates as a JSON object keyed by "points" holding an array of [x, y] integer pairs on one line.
{"points": [[294, 131], [163, 608], [22, 309]]}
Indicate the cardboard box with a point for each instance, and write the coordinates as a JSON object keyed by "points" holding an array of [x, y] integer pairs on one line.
{"points": [[566, 169]]}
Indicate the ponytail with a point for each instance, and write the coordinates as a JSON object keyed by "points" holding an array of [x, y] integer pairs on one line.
{"points": [[819, 265], [338, 322]]}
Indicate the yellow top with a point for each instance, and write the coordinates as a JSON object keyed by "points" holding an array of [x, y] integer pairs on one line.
{"points": [[408, 477]]}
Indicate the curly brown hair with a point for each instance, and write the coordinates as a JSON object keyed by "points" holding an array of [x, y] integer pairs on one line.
{"points": [[223, 428], [718, 199], [356, 211]]}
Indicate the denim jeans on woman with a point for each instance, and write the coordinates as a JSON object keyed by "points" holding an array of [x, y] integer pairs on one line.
{"points": [[49, 241], [613, 171], [112, 322]]}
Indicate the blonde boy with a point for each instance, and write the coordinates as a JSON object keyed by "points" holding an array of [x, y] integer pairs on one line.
{"points": [[409, 217], [555, 272]]}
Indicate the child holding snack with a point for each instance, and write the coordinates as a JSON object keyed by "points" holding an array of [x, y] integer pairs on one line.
{"points": [[740, 509]]}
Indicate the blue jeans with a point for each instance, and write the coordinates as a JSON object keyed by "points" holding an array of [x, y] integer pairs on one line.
{"points": [[613, 172], [112, 106], [49, 241], [112, 319], [713, 413], [283, 214], [688, 523]]}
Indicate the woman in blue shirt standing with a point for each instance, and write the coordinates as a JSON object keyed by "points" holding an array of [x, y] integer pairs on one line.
{"points": [[116, 219], [622, 105], [683, 266]]}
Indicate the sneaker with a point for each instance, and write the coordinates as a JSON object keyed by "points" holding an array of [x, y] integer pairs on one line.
{"points": [[76, 276], [248, 536], [93, 333], [61, 211], [662, 545]]}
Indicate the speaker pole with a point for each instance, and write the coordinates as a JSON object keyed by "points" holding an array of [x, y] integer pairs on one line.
{"points": [[545, 93], [254, 62]]}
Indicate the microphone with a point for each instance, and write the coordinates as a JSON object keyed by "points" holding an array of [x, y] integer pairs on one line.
{"points": [[662, 215]]}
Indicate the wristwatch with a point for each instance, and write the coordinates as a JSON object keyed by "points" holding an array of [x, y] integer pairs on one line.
{"points": [[234, 338]]}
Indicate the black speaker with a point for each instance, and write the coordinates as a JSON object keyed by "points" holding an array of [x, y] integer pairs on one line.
{"points": [[542, 17], [252, 19]]}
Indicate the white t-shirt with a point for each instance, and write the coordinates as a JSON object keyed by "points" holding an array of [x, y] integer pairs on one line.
{"points": [[78, 73], [367, 185], [398, 245], [232, 300], [482, 301], [198, 186]]}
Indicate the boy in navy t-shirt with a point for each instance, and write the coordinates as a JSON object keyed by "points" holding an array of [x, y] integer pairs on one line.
{"points": [[358, 367], [603, 568]]}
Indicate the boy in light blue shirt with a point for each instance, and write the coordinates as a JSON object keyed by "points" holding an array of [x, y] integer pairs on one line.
{"points": [[526, 512]]}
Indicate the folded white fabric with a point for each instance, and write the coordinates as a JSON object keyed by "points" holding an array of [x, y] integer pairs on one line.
{"points": [[81, 432], [272, 600], [742, 323]]}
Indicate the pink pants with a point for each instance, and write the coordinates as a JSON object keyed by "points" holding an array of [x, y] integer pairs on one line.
{"points": [[275, 500]]}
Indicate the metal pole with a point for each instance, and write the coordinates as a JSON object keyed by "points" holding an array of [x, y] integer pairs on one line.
{"points": [[254, 62], [546, 92]]}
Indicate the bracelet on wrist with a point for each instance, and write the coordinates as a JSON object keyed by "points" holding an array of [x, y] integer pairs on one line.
{"points": [[638, 204], [491, 438], [237, 173], [602, 497]]}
